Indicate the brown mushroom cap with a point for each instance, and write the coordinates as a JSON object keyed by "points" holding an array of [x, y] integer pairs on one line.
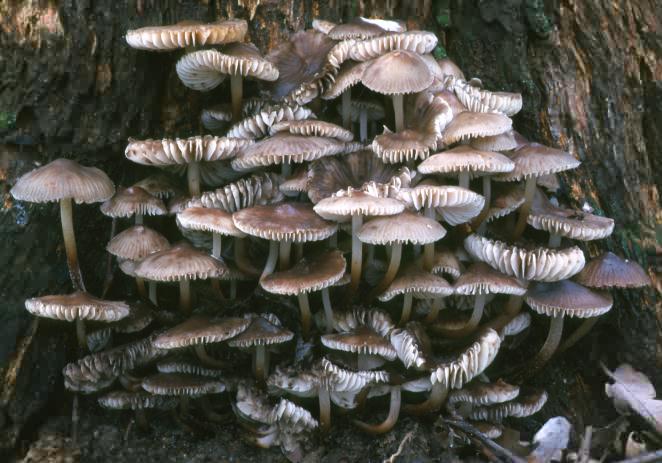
{"points": [[201, 330], [445, 262], [125, 400], [296, 222], [404, 146], [264, 330], [209, 220], [61, 179], [167, 152], [466, 159], [296, 183], [472, 125], [312, 128], [477, 393], [258, 189], [535, 160], [538, 264], [186, 35], [568, 299], [611, 271], [502, 142], [421, 284], [136, 243], [362, 340], [133, 200], [505, 201], [181, 385], [397, 73], [349, 75], [480, 278], [77, 306], [481, 100], [187, 367], [180, 262], [307, 275], [406, 227], [418, 42]]}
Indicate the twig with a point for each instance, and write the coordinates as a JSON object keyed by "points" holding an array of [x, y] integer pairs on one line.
{"points": [[401, 447], [584, 452], [651, 457], [488, 443]]}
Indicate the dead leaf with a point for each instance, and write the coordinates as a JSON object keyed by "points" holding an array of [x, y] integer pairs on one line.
{"points": [[550, 441], [632, 392]]}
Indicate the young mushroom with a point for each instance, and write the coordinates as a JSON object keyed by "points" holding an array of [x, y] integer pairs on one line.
{"points": [[138, 402], [133, 201], [186, 34]]}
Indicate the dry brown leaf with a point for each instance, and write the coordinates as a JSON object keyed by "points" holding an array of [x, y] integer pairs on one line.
{"points": [[632, 392], [550, 441]]}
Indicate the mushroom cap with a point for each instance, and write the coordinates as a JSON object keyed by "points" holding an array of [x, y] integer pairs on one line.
{"points": [[290, 415], [131, 201], [476, 393], [397, 73], [501, 142], [61, 179], [125, 400], [455, 204], [136, 242], [216, 117], [209, 220], [538, 264], [307, 275], [258, 189], [469, 124], [349, 74], [294, 381], [421, 284], [180, 262], [505, 201], [418, 42], [345, 204], [187, 367], [284, 148], [470, 363], [160, 185], [403, 228], [411, 345], [77, 306], [179, 384], [296, 183], [518, 408], [167, 152], [449, 68], [205, 70], [404, 146], [295, 222], [549, 182], [363, 28], [464, 158], [338, 379], [611, 271], [480, 278], [480, 100], [518, 324], [264, 330], [186, 34], [199, 330], [577, 225], [258, 125], [312, 128], [362, 340], [445, 262], [536, 160], [567, 299]]}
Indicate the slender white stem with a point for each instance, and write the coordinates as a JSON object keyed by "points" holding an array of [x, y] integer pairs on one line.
{"points": [[438, 394], [207, 359], [391, 419], [392, 271], [140, 285], [363, 125], [66, 217], [524, 209], [193, 176], [472, 323], [398, 109], [216, 245], [357, 251], [285, 252], [286, 169], [185, 296], [551, 343], [406, 308], [579, 333], [428, 249], [270, 266], [328, 310], [304, 307], [464, 180]]}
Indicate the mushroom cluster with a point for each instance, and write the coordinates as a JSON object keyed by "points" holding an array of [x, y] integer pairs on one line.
{"points": [[283, 204]]}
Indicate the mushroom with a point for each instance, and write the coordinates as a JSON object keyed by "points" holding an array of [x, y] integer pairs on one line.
{"points": [[521, 407], [182, 385], [349, 75], [462, 401], [138, 402], [160, 185], [217, 117], [133, 201], [141, 315], [64, 180], [405, 146], [257, 125], [186, 34], [362, 112]]}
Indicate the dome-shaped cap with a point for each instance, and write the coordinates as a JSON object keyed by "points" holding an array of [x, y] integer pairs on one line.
{"points": [[539, 264], [611, 271], [180, 262], [421, 284], [403, 228], [136, 243], [258, 124], [455, 204], [501, 142], [209, 220], [201, 330], [480, 278], [346, 203], [445, 262], [397, 73], [126, 400], [296, 222], [181, 385], [535, 160], [258, 189], [567, 299], [485, 101], [363, 28], [131, 201], [469, 124], [61, 179], [349, 74], [419, 42], [466, 159], [264, 330], [398, 147], [361, 340], [186, 34], [77, 306], [167, 152], [312, 128], [307, 275], [477, 393]]}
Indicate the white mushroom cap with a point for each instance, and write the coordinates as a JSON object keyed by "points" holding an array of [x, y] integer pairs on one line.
{"points": [[186, 34], [406, 227], [77, 306]]}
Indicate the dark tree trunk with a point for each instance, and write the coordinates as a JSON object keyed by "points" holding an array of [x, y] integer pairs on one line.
{"points": [[590, 73]]}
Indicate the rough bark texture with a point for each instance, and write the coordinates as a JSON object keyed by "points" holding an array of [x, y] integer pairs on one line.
{"points": [[590, 73]]}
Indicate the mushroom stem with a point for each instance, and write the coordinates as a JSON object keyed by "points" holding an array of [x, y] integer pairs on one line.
{"points": [[391, 272], [237, 91], [328, 310], [80, 334], [216, 245], [285, 251], [346, 108], [140, 285], [66, 216], [151, 285], [357, 251], [141, 419], [554, 241], [185, 296], [398, 110], [463, 181], [261, 362], [286, 169], [487, 194], [438, 394], [548, 348], [406, 308], [363, 125], [270, 266], [472, 323], [437, 305], [392, 418], [193, 177], [304, 307], [139, 218], [325, 409], [524, 209], [579, 333], [428, 249], [207, 359]]}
